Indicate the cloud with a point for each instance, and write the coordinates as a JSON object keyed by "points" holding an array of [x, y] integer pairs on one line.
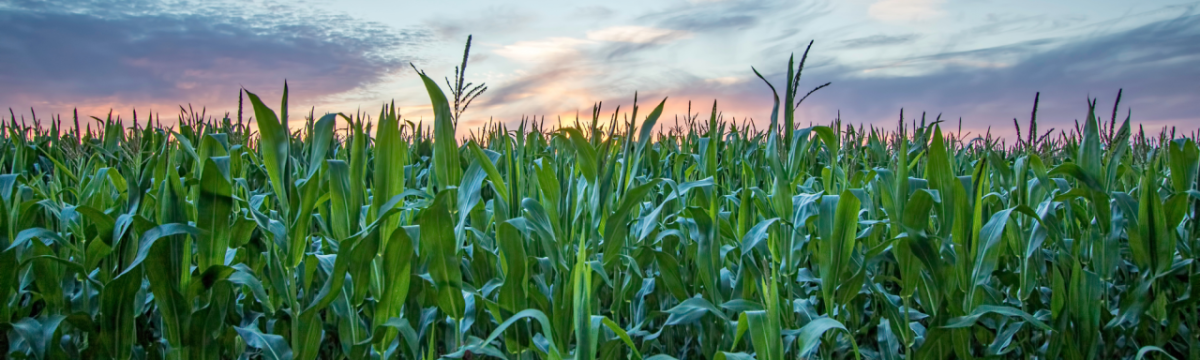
{"points": [[906, 10], [1153, 63], [609, 64], [995, 57], [609, 43], [546, 50], [492, 20], [725, 80], [593, 12], [538, 86], [61, 55], [878, 40], [637, 35], [747, 27], [715, 16], [988, 87]]}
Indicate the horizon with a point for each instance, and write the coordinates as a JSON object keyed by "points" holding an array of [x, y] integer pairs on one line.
{"points": [[977, 61]]}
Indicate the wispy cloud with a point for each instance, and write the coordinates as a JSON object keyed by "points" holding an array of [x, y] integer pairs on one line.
{"points": [[716, 16], [488, 20], [593, 12], [906, 10], [545, 50], [1150, 62], [879, 40], [978, 61], [637, 34], [984, 87], [103, 53]]}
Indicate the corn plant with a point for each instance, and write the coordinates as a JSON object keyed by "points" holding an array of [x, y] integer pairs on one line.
{"points": [[357, 236]]}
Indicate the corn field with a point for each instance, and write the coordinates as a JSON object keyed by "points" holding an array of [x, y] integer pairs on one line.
{"points": [[373, 237]]}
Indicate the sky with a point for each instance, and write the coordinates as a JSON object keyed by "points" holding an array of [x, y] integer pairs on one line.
{"points": [[981, 61]]}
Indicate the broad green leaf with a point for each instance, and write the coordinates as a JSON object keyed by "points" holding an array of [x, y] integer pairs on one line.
{"points": [[344, 211], [38, 333], [1089, 146], [810, 335], [756, 235], [273, 145], [616, 229], [1184, 162], [585, 155], [691, 310], [979, 312], [437, 238], [213, 212], [153, 235], [397, 273], [766, 336], [581, 295], [446, 168], [516, 278], [270, 346], [320, 141], [839, 223], [669, 273], [489, 168]]}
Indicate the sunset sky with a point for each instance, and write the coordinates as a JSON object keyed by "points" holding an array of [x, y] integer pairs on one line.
{"points": [[979, 60]]}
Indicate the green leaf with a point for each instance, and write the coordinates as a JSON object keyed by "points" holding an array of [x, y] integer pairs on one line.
{"points": [[810, 335], [585, 154], [829, 137], [707, 252], [581, 301], [1089, 147], [540, 221], [397, 273], [554, 353], [1078, 173], [446, 168], [756, 235], [743, 325], [391, 156], [549, 186], [1151, 244], [437, 238], [271, 346], [616, 228], [624, 336], [48, 237], [319, 143], [118, 326], [516, 277], [838, 223], [245, 277], [723, 355], [915, 218], [1146, 350], [213, 211], [979, 312], [691, 310], [490, 169], [988, 251], [344, 211], [1184, 162], [669, 273], [153, 235], [766, 335], [38, 333], [273, 145], [954, 210]]}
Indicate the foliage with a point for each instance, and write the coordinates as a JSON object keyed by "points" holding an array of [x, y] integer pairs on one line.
{"points": [[218, 239]]}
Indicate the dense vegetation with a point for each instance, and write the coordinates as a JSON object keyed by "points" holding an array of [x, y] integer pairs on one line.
{"points": [[710, 240]]}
